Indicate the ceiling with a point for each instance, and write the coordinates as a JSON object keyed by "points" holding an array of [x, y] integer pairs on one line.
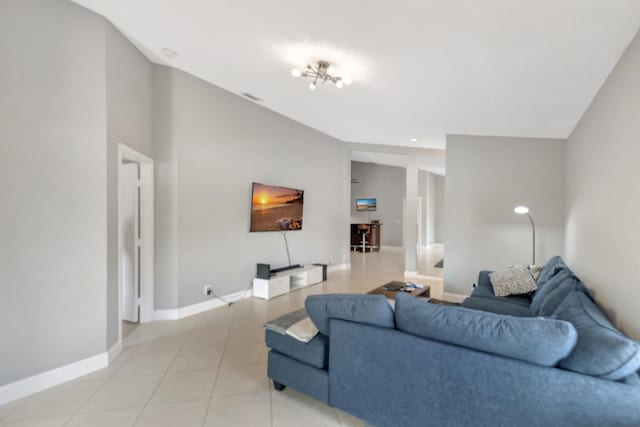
{"points": [[420, 68], [426, 163]]}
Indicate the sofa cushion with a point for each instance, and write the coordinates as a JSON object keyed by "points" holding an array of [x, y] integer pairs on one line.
{"points": [[523, 300], [497, 305], [370, 309], [602, 351], [314, 352], [534, 340], [515, 280], [551, 296], [548, 298], [554, 266]]}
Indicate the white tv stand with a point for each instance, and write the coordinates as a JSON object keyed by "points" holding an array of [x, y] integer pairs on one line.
{"points": [[287, 281]]}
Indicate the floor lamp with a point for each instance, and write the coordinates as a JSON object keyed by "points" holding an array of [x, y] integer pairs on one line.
{"points": [[523, 210]]}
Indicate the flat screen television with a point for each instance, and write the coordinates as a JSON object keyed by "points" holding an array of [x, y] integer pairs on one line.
{"points": [[276, 208], [365, 205]]}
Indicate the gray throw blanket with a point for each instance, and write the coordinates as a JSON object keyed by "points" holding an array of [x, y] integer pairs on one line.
{"points": [[282, 323]]}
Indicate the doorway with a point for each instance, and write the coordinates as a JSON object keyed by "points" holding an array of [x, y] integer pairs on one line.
{"points": [[135, 239]]}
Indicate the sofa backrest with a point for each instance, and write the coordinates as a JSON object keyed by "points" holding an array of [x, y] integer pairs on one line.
{"points": [[601, 351], [369, 309], [534, 340], [552, 267], [555, 282]]}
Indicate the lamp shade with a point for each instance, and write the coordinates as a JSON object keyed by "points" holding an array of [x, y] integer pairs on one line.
{"points": [[521, 210]]}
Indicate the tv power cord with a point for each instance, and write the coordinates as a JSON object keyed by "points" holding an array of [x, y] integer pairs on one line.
{"points": [[229, 302]]}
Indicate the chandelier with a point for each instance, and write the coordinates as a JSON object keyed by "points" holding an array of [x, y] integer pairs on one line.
{"points": [[323, 72]]}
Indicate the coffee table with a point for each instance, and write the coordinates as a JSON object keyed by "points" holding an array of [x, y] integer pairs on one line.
{"points": [[422, 293]]}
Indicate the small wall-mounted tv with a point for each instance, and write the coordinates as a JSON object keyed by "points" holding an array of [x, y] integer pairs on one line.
{"points": [[365, 205], [276, 208]]}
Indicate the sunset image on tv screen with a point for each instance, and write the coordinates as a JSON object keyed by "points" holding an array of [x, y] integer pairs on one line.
{"points": [[276, 208]]}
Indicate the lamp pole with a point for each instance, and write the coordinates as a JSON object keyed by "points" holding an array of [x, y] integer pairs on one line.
{"points": [[533, 228], [522, 210]]}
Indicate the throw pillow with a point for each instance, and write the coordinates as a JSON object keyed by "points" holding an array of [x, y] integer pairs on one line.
{"points": [[516, 280], [533, 269]]}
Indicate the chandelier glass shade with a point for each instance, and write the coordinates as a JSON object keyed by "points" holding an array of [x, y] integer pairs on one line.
{"points": [[321, 73]]}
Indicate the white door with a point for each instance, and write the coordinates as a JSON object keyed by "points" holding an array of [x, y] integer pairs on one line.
{"points": [[130, 237]]}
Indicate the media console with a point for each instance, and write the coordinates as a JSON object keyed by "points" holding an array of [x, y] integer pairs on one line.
{"points": [[281, 269], [286, 281]]}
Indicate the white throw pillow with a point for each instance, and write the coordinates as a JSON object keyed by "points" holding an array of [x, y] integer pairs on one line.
{"points": [[533, 269], [515, 280], [303, 331]]}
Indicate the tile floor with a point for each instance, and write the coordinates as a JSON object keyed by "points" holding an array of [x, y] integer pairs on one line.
{"points": [[427, 259], [205, 370]]}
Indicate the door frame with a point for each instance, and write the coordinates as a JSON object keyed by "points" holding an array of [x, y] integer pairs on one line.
{"points": [[147, 246]]}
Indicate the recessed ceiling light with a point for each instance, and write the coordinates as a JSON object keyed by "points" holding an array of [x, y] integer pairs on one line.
{"points": [[414, 140], [169, 53]]}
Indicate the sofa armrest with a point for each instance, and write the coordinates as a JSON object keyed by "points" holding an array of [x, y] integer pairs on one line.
{"points": [[392, 378], [484, 281]]}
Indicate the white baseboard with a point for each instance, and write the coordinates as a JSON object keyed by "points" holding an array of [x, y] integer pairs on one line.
{"points": [[190, 310], [338, 267], [411, 273], [448, 296], [27, 386], [425, 277]]}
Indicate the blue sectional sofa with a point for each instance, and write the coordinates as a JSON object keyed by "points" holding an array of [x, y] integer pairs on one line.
{"points": [[552, 359]]}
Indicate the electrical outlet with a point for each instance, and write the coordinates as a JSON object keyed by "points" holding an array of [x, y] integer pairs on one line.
{"points": [[207, 290], [332, 260]]}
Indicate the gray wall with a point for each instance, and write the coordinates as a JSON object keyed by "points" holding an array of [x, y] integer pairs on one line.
{"points": [[387, 185], [165, 154], [128, 78], [53, 195], [438, 214], [422, 193], [215, 145], [430, 225], [486, 178], [602, 228], [431, 190]]}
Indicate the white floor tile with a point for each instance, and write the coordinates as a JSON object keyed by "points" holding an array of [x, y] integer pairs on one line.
{"points": [[117, 418], [145, 364], [5, 410], [246, 410], [245, 354], [241, 380], [121, 393], [184, 386], [182, 414], [290, 407], [252, 335], [348, 420], [42, 422], [199, 358], [62, 400]]}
